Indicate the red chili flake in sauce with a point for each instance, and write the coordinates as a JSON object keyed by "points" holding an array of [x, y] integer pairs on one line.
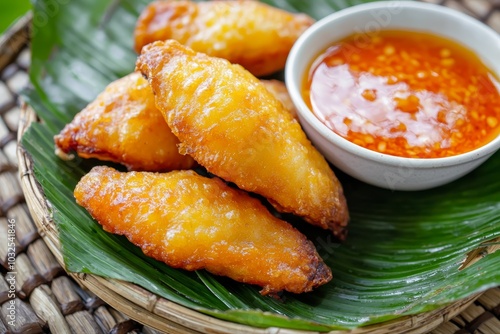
{"points": [[406, 94]]}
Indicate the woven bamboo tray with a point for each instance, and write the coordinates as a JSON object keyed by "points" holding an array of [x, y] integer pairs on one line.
{"points": [[53, 301]]}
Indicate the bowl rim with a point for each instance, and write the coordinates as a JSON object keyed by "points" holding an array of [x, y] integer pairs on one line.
{"points": [[306, 115]]}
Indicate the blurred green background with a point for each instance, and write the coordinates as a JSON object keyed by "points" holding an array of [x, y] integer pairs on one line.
{"points": [[11, 10]]}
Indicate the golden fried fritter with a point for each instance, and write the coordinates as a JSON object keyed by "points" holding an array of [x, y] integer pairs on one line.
{"points": [[252, 34], [278, 89], [192, 222], [233, 126], [123, 125]]}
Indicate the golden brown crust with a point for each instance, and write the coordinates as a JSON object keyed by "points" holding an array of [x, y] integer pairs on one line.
{"points": [[227, 121], [278, 89], [252, 34], [123, 125], [193, 222]]}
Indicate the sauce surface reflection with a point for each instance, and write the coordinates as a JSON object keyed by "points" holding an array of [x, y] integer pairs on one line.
{"points": [[406, 94]]}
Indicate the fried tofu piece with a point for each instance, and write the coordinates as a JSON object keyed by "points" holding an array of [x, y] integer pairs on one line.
{"points": [[192, 222], [123, 125], [252, 34], [232, 125]]}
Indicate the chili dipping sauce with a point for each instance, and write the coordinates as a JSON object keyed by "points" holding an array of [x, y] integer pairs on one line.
{"points": [[406, 94]]}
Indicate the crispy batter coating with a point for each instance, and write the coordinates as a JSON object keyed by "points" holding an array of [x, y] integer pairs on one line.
{"points": [[123, 125], [192, 222], [252, 34], [233, 126], [278, 89]]}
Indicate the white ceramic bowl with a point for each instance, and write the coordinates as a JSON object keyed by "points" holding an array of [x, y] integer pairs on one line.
{"points": [[392, 172]]}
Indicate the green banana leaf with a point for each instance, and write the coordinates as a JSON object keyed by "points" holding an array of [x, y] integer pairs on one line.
{"points": [[11, 12], [404, 249]]}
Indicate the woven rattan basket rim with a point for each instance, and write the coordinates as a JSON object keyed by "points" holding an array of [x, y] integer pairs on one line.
{"points": [[159, 313]]}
